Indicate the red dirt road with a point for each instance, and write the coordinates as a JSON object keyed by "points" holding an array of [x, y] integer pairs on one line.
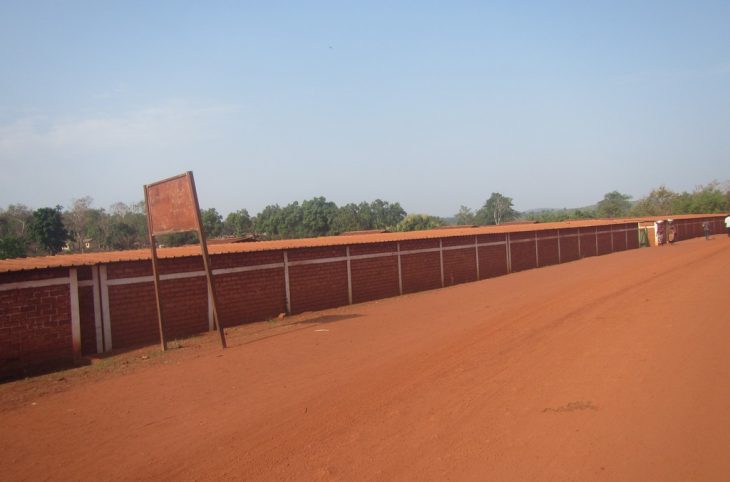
{"points": [[609, 368]]}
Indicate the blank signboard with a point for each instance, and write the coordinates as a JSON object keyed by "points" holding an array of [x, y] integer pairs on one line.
{"points": [[172, 205]]}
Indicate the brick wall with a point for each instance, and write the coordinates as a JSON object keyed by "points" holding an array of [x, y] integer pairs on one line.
{"points": [[604, 240], [374, 278], [548, 248], [569, 245], [619, 238], [133, 314], [320, 285], [633, 236], [86, 312], [460, 265], [252, 295], [35, 328], [522, 251], [587, 242], [420, 271], [35, 322], [492, 259]]}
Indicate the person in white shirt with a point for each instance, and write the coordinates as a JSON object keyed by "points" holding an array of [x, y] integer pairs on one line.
{"points": [[727, 225]]}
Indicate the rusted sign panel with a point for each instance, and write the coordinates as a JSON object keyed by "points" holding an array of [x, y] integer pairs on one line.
{"points": [[172, 205]]}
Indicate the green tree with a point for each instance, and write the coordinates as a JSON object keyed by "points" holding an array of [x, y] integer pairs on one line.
{"points": [[237, 223], [365, 215], [496, 210], [549, 215], [348, 218], [659, 202], [384, 214], [266, 222], [47, 229], [465, 216], [708, 199], [98, 227], [12, 247], [557, 215], [275, 222], [584, 214], [177, 239], [212, 222], [290, 224], [76, 220], [317, 216], [614, 205], [14, 220], [419, 222], [122, 236], [127, 226]]}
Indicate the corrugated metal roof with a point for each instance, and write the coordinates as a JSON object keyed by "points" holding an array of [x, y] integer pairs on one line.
{"points": [[88, 259]]}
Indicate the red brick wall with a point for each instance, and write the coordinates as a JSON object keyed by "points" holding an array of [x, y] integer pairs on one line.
{"points": [[460, 265], [133, 269], [695, 228], [420, 271], [689, 228], [35, 322], [547, 249], [719, 226], [604, 240], [587, 242], [619, 238], [129, 269], [250, 296], [86, 312], [317, 286], [492, 259], [633, 236], [569, 245], [133, 314], [522, 251], [133, 311], [185, 306], [374, 278], [35, 275], [35, 327]]}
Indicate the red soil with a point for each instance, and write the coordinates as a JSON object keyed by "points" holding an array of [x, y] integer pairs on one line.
{"points": [[609, 368]]}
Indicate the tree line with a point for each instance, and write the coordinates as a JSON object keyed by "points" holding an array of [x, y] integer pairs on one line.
{"points": [[661, 201], [81, 227]]}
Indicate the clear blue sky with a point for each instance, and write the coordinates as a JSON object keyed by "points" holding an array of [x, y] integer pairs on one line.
{"points": [[432, 104]]}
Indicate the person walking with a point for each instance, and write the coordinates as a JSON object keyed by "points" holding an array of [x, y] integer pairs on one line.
{"points": [[672, 234], [660, 232], [706, 229], [727, 225]]}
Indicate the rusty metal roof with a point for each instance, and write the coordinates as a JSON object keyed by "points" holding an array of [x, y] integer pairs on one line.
{"points": [[88, 259]]}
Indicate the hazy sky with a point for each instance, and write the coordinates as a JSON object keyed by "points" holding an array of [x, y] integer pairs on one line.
{"points": [[432, 104]]}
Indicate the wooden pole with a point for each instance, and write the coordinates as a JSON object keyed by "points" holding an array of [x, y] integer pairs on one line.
{"points": [[155, 272], [206, 261]]}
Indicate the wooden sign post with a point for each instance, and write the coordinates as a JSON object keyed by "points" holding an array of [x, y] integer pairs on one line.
{"points": [[172, 207]]}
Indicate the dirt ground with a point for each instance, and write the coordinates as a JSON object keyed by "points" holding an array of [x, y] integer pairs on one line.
{"points": [[609, 368]]}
